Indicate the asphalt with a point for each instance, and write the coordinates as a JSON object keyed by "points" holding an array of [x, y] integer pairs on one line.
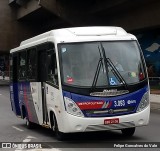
{"points": [[154, 98]]}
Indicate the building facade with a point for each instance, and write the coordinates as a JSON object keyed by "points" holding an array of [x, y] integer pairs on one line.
{"points": [[12, 32]]}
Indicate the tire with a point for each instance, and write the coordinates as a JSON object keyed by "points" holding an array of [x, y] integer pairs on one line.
{"points": [[59, 135], [29, 124], [128, 132]]}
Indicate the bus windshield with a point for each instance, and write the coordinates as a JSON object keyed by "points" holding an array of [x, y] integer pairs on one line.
{"points": [[80, 62]]}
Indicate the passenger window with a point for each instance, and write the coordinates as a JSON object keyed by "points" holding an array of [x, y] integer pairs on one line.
{"points": [[31, 64], [47, 64], [22, 65], [52, 67]]}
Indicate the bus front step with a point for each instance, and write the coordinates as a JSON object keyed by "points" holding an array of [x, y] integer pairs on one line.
{"points": [[45, 125]]}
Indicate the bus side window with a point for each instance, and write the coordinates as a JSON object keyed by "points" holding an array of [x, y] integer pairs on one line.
{"points": [[31, 64], [22, 65], [52, 67]]}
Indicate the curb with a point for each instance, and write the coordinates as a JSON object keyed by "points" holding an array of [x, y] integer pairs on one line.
{"points": [[155, 105], [157, 111], [4, 83]]}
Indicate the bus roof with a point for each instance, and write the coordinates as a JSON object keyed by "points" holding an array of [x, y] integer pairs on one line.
{"points": [[76, 34]]}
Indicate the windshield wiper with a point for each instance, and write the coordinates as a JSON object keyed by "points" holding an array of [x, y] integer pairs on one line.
{"points": [[107, 62], [100, 63], [116, 72]]}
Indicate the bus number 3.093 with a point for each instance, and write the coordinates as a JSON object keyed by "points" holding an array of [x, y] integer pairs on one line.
{"points": [[119, 103]]}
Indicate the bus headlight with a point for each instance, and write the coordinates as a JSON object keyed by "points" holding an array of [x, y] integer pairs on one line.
{"points": [[144, 102], [72, 107]]}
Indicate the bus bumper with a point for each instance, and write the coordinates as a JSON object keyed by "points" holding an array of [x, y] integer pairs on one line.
{"points": [[73, 123]]}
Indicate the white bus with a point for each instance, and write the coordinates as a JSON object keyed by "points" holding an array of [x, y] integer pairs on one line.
{"points": [[80, 80]]}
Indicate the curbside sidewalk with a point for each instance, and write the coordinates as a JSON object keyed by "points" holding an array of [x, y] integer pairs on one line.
{"points": [[155, 102]]}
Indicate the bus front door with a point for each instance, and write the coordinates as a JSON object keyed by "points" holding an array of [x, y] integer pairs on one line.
{"points": [[42, 76]]}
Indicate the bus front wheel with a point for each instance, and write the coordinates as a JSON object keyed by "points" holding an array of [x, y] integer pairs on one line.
{"points": [[60, 136], [128, 131]]}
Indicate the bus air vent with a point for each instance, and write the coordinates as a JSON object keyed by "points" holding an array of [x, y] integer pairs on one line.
{"points": [[109, 93]]}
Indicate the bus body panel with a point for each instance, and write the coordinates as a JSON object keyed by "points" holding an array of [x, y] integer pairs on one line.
{"points": [[14, 98], [36, 92], [119, 105], [95, 123], [80, 124], [55, 103], [26, 100]]}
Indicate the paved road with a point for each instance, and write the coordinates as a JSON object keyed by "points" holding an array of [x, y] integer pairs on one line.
{"points": [[13, 129]]}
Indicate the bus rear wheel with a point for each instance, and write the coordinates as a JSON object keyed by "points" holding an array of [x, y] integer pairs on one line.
{"points": [[29, 124], [128, 132]]}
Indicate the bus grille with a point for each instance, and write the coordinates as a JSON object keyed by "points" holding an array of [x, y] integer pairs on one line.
{"points": [[110, 126], [109, 93], [109, 112]]}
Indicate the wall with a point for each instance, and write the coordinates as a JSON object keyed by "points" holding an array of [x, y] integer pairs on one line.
{"points": [[11, 30], [150, 43], [141, 16]]}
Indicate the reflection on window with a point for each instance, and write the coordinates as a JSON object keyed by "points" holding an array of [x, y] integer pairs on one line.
{"points": [[80, 62], [22, 65], [52, 68], [126, 58], [31, 66]]}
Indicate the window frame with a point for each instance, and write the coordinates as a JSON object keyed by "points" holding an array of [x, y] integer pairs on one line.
{"points": [[77, 86], [36, 63], [46, 47], [18, 65]]}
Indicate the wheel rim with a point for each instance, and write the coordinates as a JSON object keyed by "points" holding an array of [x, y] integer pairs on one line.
{"points": [[27, 122], [53, 127], [54, 123]]}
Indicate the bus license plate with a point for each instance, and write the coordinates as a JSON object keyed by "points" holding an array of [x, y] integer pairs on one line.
{"points": [[111, 121]]}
